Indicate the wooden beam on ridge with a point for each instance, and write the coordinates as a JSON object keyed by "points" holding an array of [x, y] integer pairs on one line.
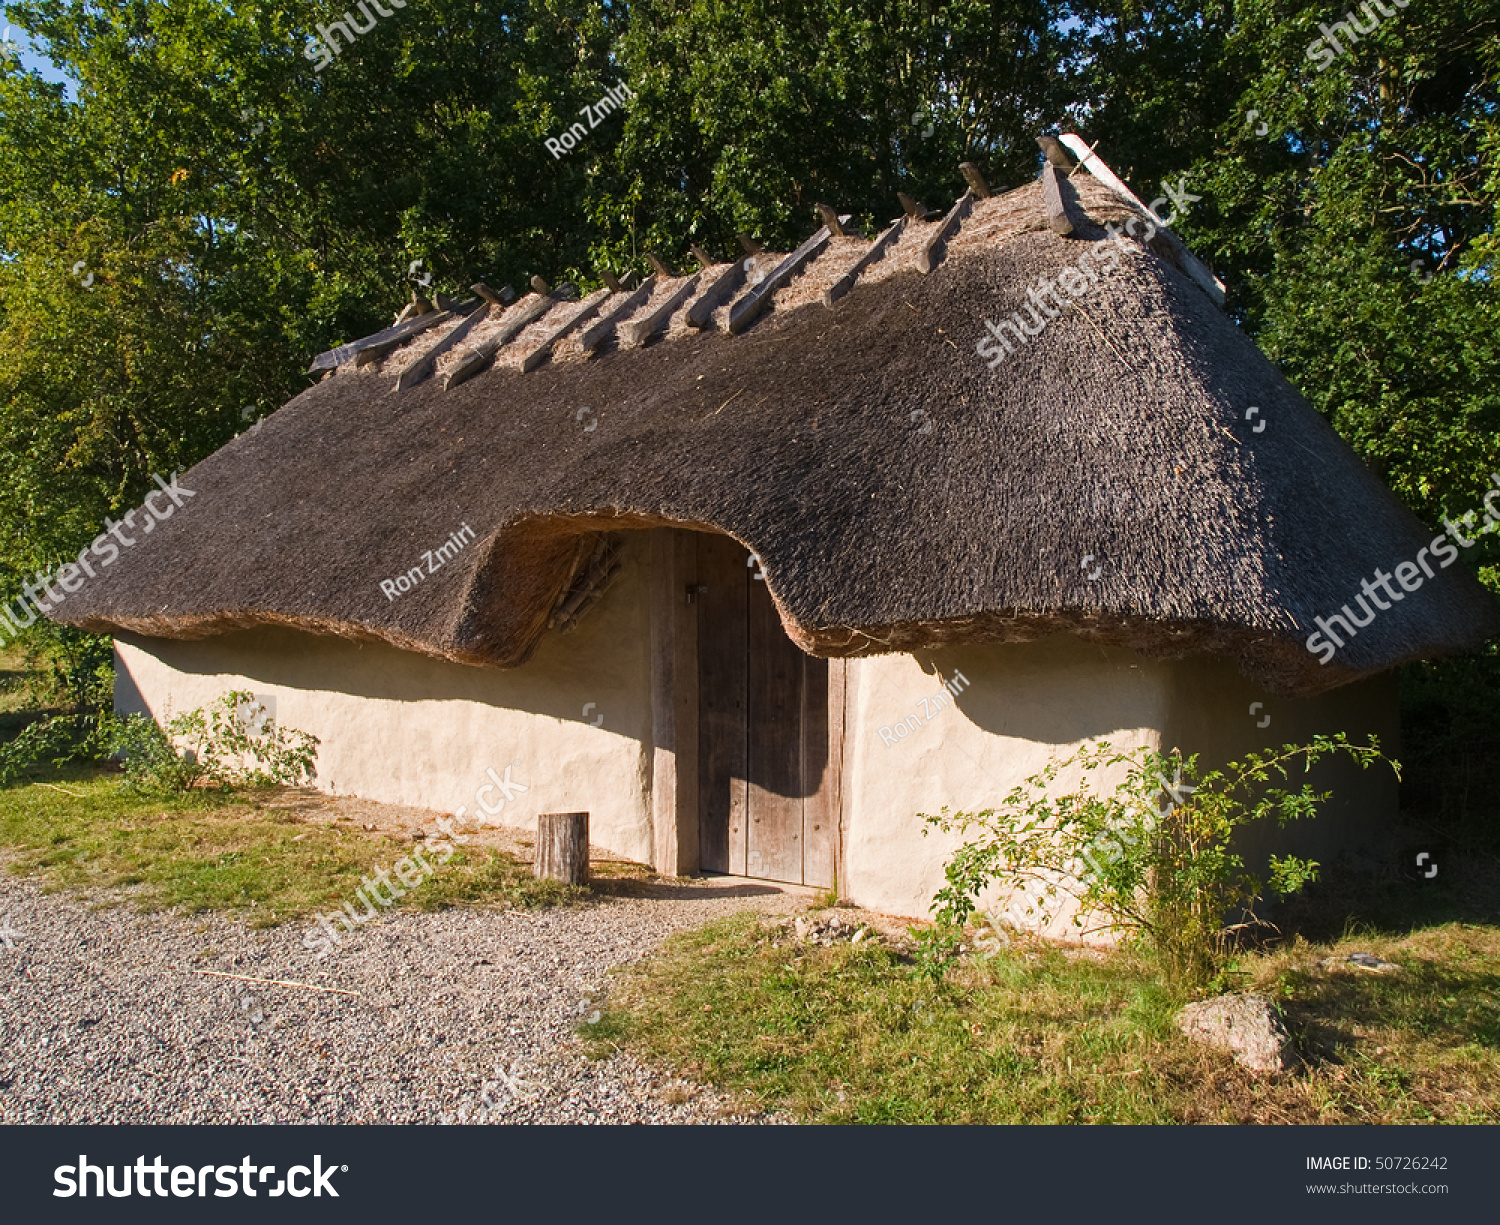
{"points": [[750, 308], [605, 328], [1192, 265], [933, 249], [876, 253]]}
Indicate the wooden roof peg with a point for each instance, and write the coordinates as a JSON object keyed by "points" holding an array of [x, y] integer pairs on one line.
{"points": [[704, 259], [540, 286], [495, 297], [831, 220], [477, 359], [1052, 201], [424, 365], [1056, 154], [751, 246], [601, 331], [586, 311], [661, 268], [749, 308], [975, 180], [700, 314], [876, 252], [639, 331], [912, 207], [611, 280], [936, 245], [373, 348]]}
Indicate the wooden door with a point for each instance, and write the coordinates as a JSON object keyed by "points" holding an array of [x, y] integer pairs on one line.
{"points": [[768, 794]]}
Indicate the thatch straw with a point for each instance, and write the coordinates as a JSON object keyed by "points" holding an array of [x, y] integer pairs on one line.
{"points": [[900, 493]]}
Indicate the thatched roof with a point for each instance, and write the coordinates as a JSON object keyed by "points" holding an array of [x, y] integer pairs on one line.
{"points": [[1102, 480]]}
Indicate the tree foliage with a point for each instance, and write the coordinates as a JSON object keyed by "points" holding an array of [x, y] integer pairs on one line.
{"points": [[199, 208]]}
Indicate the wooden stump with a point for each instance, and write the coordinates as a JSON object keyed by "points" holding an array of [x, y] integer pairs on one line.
{"points": [[562, 847]]}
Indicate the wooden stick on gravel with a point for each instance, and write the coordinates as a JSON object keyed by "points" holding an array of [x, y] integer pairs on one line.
{"points": [[281, 982]]}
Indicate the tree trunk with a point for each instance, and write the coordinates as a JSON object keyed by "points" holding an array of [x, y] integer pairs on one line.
{"points": [[562, 847]]}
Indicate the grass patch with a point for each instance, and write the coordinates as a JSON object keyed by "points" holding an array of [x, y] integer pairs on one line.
{"points": [[484, 876], [250, 853], [1034, 1034]]}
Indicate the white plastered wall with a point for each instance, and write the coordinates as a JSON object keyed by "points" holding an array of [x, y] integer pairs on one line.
{"points": [[402, 728], [1026, 703]]}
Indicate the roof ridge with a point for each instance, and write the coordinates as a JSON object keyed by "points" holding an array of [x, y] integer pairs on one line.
{"points": [[732, 296]]}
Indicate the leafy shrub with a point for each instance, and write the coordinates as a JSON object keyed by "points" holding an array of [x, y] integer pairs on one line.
{"points": [[1166, 876], [215, 747], [57, 739], [80, 668]]}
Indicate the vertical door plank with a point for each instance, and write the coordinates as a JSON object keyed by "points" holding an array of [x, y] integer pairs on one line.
{"points": [[774, 850], [674, 702], [666, 779], [723, 655], [822, 742], [685, 673]]}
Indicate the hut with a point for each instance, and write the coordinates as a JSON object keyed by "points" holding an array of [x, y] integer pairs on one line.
{"points": [[755, 562]]}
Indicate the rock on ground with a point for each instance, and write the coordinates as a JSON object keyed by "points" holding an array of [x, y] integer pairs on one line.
{"points": [[1367, 962], [1249, 1027]]}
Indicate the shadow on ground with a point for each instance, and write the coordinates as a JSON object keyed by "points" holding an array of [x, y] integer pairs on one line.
{"points": [[684, 890], [1395, 897]]}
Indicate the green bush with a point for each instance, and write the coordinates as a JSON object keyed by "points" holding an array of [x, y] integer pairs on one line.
{"points": [[57, 739], [1168, 877], [213, 747]]}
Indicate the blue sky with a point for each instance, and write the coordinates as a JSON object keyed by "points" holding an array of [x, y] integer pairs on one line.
{"points": [[29, 58]]}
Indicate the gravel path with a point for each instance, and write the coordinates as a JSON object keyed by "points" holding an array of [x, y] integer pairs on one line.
{"points": [[461, 1016]]}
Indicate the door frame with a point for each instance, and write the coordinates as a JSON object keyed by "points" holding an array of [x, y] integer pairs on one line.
{"points": [[673, 653]]}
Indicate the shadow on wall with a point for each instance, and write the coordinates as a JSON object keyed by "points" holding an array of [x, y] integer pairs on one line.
{"points": [[1219, 714], [1060, 690], [549, 684], [1057, 690], [594, 673]]}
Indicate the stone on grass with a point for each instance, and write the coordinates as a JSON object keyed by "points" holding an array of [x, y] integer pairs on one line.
{"points": [[1360, 961], [1249, 1027]]}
